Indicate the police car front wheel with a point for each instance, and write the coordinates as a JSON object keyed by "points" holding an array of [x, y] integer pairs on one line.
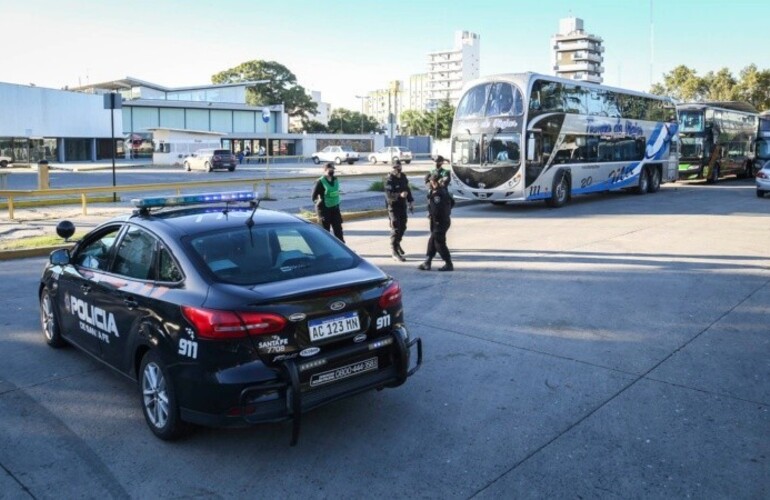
{"points": [[49, 322], [159, 404]]}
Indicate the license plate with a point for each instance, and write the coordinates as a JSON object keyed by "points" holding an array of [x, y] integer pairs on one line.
{"points": [[325, 328], [342, 372]]}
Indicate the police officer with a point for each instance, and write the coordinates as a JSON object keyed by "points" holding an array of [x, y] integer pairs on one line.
{"points": [[443, 173], [439, 209], [398, 196], [326, 196]]}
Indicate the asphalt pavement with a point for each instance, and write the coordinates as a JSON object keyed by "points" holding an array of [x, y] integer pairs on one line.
{"points": [[614, 348]]}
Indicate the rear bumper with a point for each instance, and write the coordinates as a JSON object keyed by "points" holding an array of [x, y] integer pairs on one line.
{"points": [[290, 394]]}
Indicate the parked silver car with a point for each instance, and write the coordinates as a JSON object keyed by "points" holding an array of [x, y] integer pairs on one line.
{"points": [[391, 154], [210, 159], [337, 154]]}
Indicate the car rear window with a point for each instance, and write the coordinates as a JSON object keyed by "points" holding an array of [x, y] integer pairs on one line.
{"points": [[270, 253], [221, 151]]}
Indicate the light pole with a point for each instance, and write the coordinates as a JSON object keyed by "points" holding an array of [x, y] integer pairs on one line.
{"points": [[362, 97]]}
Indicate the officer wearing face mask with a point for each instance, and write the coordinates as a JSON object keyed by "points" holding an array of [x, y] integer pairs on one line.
{"points": [[326, 196], [399, 197]]}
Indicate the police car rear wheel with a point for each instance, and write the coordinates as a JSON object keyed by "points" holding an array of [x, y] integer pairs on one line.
{"points": [[158, 399], [48, 321]]}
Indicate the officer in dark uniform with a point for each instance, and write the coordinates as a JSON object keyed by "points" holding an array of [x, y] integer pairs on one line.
{"points": [[440, 204], [398, 196], [326, 196], [443, 173]]}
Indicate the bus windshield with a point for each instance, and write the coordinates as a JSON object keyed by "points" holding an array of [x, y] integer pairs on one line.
{"points": [[503, 150], [691, 121], [472, 103], [692, 147]]}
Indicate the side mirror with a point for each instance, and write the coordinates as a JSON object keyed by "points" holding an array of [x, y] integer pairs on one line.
{"points": [[60, 257], [531, 147]]}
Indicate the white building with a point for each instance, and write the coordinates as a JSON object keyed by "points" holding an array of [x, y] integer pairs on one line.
{"points": [[324, 112], [576, 54], [417, 92], [382, 103], [449, 70]]}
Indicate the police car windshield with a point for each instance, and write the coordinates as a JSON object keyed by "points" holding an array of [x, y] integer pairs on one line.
{"points": [[270, 253]]}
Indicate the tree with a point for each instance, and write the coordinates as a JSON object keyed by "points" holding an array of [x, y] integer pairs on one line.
{"points": [[345, 121], [314, 127], [683, 84], [281, 88], [446, 114], [415, 122], [720, 86], [437, 123], [754, 87]]}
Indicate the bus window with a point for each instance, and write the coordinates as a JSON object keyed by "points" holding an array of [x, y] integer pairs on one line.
{"points": [[504, 150], [504, 99], [472, 103], [690, 121]]}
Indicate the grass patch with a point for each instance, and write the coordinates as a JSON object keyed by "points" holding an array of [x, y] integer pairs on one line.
{"points": [[378, 186], [36, 242]]}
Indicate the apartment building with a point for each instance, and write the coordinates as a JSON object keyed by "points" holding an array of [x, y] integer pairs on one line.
{"points": [[448, 70], [577, 55]]}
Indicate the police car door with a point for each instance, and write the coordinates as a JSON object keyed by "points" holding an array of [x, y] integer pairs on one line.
{"points": [[129, 289], [81, 305]]}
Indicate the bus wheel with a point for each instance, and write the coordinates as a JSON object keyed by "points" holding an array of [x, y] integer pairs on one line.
{"points": [[644, 181], [560, 191], [654, 176], [714, 177]]}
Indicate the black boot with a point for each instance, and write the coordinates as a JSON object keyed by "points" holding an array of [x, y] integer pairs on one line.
{"points": [[400, 250], [447, 267], [425, 266], [397, 256]]}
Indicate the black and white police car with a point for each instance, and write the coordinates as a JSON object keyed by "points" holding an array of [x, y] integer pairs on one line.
{"points": [[226, 314]]}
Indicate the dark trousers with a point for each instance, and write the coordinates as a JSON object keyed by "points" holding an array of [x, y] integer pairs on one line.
{"points": [[331, 220], [437, 241], [398, 217]]}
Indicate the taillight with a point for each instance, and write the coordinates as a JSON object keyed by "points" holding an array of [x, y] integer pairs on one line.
{"points": [[391, 296], [221, 325]]}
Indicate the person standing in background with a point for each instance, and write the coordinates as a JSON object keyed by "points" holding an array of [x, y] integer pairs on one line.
{"points": [[399, 196], [326, 196]]}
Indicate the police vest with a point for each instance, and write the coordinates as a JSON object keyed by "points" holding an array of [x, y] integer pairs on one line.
{"points": [[331, 192]]}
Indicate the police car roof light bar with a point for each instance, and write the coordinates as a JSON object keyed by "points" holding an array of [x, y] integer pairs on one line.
{"points": [[194, 199]]}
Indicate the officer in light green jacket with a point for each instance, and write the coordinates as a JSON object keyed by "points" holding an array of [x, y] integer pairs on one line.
{"points": [[326, 196]]}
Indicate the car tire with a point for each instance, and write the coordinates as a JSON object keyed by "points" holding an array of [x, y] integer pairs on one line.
{"points": [[187, 166], [654, 177], [338, 161], [644, 182], [3, 163], [158, 399], [48, 321], [560, 191], [760, 193], [316, 160], [372, 160], [231, 169], [209, 167], [350, 162], [407, 161]]}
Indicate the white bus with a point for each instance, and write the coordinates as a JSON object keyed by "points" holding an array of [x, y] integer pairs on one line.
{"points": [[528, 136]]}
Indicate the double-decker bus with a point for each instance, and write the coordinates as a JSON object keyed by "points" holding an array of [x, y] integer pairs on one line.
{"points": [[762, 150], [717, 139], [528, 136]]}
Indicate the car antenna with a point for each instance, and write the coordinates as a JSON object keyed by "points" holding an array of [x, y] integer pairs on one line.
{"points": [[255, 206]]}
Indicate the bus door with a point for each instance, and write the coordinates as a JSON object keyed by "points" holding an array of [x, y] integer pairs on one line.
{"points": [[535, 157]]}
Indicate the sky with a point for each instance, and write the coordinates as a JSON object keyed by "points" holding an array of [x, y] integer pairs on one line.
{"points": [[345, 48]]}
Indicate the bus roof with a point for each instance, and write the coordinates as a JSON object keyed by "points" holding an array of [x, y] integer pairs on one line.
{"points": [[741, 106], [530, 76]]}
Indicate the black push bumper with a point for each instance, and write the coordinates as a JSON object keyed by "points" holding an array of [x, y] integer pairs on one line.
{"points": [[294, 393]]}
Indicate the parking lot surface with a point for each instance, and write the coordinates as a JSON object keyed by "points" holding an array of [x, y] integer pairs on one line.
{"points": [[615, 348]]}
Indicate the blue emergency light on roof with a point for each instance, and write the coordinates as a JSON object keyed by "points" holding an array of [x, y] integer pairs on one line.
{"points": [[194, 199]]}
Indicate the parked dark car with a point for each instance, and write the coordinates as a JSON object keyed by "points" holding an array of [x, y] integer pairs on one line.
{"points": [[227, 314]]}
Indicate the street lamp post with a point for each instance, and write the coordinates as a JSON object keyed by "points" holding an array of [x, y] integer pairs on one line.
{"points": [[362, 97]]}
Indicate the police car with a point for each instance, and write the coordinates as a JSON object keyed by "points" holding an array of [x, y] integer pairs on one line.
{"points": [[226, 314]]}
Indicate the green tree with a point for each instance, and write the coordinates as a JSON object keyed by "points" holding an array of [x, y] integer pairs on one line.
{"points": [[314, 127], [281, 87], [345, 121], [721, 86], [414, 122], [683, 84], [754, 87], [445, 115]]}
